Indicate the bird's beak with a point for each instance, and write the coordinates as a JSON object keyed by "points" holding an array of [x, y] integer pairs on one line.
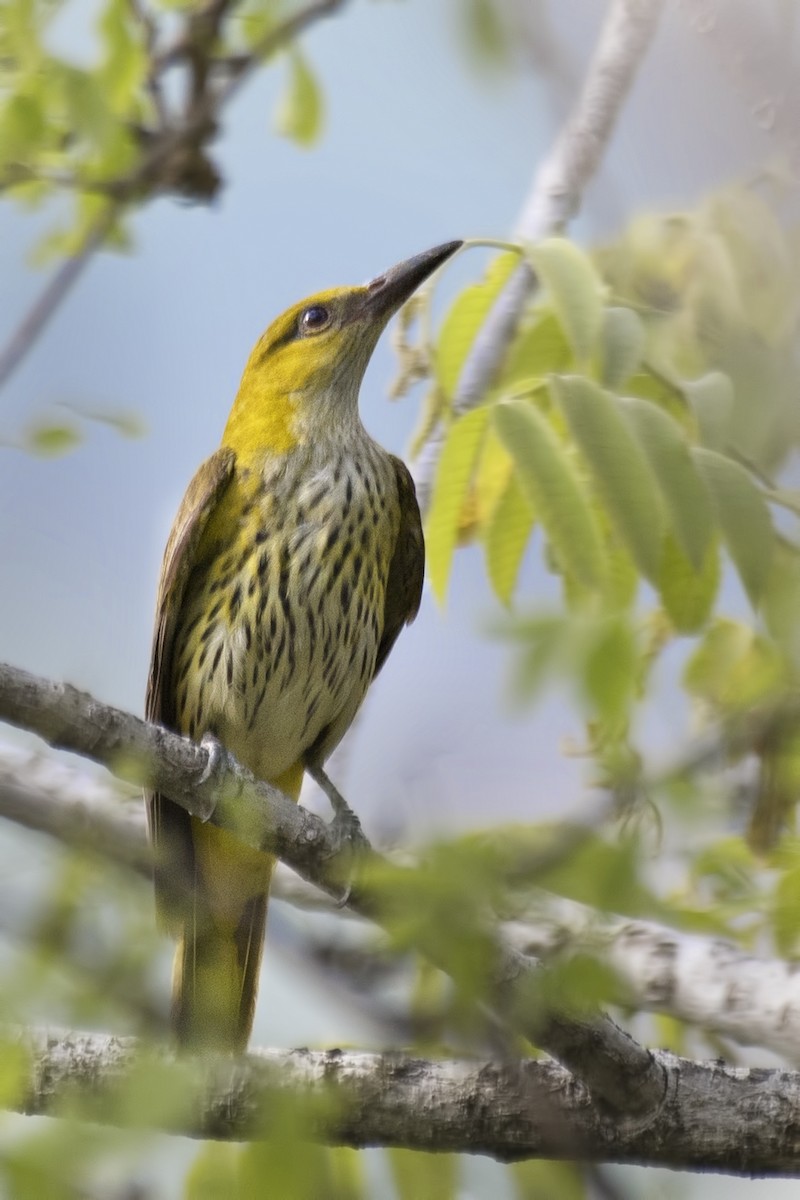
{"points": [[385, 294]]}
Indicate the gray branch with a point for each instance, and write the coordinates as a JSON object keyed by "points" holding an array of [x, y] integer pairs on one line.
{"points": [[706, 981], [613, 1066], [555, 197], [717, 1118]]}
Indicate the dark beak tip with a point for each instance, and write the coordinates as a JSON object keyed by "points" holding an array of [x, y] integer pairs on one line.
{"points": [[391, 289]]}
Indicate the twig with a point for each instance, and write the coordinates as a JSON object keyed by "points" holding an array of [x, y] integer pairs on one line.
{"points": [[613, 1066], [554, 199], [172, 162]]}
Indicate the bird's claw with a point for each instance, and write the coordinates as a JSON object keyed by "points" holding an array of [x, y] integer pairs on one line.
{"points": [[345, 828]]}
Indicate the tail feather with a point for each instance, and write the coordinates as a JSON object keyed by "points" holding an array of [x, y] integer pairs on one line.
{"points": [[221, 937], [216, 981]]}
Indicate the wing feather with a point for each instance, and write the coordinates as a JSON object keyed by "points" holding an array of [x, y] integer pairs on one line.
{"points": [[407, 567], [168, 824]]}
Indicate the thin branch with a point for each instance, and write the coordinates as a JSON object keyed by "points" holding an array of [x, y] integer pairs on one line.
{"points": [[738, 1121], [173, 161], [215, 788], [555, 198]]}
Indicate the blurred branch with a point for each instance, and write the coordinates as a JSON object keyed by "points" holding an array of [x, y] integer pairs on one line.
{"points": [[554, 199], [213, 787], [739, 1121], [174, 157], [703, 980], [706, 981], [77, 810]]}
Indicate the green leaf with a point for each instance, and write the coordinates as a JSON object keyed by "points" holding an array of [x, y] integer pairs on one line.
{"points": [[786, 906], [711, 399], [537, 352], [467, 314], [299, 113], [686, 497], [453, 477], [507, 534], [486, 37], [51, 440], [214, 1173], [618, 466], [688, 595], [743, 516], [733, 667], [609, 669], [22, 125], [542, 1180], [549, 480], [575, 290], [622, 345], [420, 1176]]}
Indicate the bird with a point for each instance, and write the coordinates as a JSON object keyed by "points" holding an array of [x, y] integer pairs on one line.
{"points": [[294, 561]]}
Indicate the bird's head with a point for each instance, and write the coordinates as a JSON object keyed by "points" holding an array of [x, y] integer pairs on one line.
{"points": [[303, 376]]}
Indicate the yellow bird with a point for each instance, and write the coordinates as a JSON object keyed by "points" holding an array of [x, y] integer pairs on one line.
{"points": [[294, 561]]}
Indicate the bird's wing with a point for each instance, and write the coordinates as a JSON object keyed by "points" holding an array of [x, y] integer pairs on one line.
{"points": [[406, 570], [168, 824]]}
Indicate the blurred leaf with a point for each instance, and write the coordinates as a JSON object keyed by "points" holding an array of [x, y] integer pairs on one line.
{"points": [[485, 36], [743, 516], [711, 399], [22, 125], [214, 1174], [781, 601], [468, 312], [543, 1180], [618, 466], [604, 875], [453, 478], [688, 595], [684, 493], [622, 345], [536, 352], [52, 439], [733, 667], [418, 1176], [610, 669], [580, 982], [548, 479], [299, 112], [786, 913], [544, 645], [346, 1173], [507, 534], [15, 1072], [575, 290]]}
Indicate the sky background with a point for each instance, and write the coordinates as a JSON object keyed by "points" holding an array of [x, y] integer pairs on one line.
{"points": [[419, 147]]}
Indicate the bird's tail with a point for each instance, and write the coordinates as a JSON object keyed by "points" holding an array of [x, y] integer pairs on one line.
{"points": [[218, 958]]}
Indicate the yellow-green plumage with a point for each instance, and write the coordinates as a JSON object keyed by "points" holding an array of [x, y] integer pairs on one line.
{"points": [[295, 560]]}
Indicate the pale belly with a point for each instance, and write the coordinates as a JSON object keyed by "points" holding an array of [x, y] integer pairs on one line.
{"points": [[278, 669]]}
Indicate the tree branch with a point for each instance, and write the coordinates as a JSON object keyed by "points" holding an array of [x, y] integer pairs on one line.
{"points": [[706, 981], [554, 199], [173, 160], [714, 1117], [622, 1074]]}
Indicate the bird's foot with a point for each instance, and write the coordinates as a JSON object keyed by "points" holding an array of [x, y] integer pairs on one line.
{"points": [[217, 756], [346, 831]]}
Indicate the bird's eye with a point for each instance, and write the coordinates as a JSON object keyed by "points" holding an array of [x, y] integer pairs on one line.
{"points": [[314, 319]]}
